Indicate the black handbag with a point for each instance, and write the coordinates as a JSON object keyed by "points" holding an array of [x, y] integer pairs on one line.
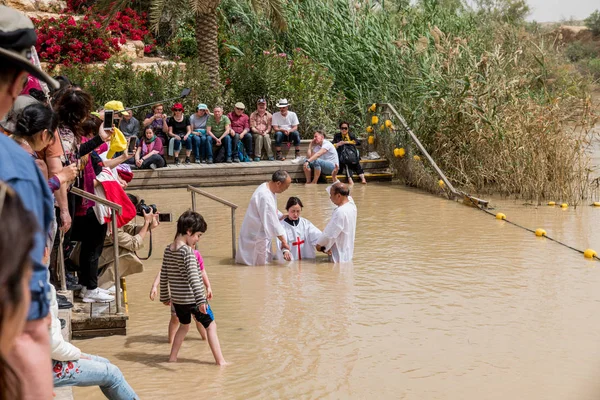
{"points": [[349, 154]]}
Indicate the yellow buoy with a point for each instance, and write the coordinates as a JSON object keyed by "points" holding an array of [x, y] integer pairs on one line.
{"points": [[369, 129], [551, 203], [374, 120], [373, 107], [540, 232], [500, 216], [388, 123], [564, 205], [441, 183], [589, 253], [596, 204], [416, 158], [371, 139], [399, 152]]}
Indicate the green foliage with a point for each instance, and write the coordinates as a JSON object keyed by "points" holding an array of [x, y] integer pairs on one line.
{"points": [[133, 87], [579, 50], [182, 44], [591, 67], [593, 22], [272, 75]]}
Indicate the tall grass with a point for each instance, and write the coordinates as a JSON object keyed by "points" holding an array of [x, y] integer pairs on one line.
{"points": [[497, 108]]}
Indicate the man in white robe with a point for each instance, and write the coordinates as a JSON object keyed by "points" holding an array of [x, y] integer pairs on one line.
{"points": [[337, 238], [261, 222]]}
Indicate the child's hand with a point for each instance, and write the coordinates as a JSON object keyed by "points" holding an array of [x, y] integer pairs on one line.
{"points": [[167, 303], [153, 293], [208, 293], [202, 308]]}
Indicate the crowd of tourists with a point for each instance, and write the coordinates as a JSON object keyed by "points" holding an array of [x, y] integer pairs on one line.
{"points": [[52, 140]]}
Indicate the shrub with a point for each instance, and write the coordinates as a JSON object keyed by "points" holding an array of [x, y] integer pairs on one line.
{"points": [[578, 50], [593, 22], [183, 43], [272, 75]]}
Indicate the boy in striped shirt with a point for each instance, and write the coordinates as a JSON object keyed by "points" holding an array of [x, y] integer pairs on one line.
{"points": [[182, 286]]}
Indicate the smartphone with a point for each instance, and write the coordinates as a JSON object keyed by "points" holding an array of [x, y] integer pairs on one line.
{"points": [[165, 217], [132, 143], [108, 120]]}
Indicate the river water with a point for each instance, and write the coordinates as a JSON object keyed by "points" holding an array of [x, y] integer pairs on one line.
{"points": [[442, 302]]}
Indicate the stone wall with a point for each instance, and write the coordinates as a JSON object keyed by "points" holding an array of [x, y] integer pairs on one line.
{"points": [[49, 6]]}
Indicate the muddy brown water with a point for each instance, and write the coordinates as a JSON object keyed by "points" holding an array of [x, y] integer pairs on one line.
{"points": [[441, 302]]}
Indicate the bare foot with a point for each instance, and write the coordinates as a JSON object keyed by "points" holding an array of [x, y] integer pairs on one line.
{"points": [[311, 183], [364, 182], [350, 181], [172, 360], [222, 363]]}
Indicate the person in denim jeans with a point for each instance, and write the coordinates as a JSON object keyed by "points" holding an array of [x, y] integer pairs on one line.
{"points": [[201, 141], [285, 125], [181, 131], [71, 367], [321, 157], [240, 127], [218, 127]]}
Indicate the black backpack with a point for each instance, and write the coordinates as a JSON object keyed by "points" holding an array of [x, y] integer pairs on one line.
{"points": [[349, 154]]}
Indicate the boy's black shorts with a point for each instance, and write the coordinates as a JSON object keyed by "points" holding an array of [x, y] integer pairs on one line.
{"points": [[184, 314]]}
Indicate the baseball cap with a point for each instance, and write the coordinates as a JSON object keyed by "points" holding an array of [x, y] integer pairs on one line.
{"points": [[202, 106], [240, 105], [116, 105], [17, 36], [177, 106], [9, 123], [262, 101]]}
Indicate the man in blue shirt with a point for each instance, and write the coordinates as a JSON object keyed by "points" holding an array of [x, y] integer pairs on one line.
{"points": [[31, 353]]}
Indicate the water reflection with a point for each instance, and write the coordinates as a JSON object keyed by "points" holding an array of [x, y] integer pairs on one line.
{"points": [[441, 302]]}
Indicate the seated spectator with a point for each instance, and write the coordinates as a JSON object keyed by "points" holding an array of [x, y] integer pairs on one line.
{"points": [[218, 127], [181, 132], [321, 157], [345, 142], [260, 125], [201, 141], [149, 153], [240, 130], [15, 270], [285, 126], [129, 125], [71, 367], [157, 120]]}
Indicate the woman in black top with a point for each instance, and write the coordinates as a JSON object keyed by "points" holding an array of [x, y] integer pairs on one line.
{"points": [[345, 143], [180, 130]]}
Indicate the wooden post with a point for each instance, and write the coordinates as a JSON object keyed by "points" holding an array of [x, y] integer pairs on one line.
{"points": [[116, 262], [233, 247], [61, 262]]}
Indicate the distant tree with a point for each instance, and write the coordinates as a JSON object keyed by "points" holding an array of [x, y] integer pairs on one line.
{"points": [[593, 22], [511, 11]]}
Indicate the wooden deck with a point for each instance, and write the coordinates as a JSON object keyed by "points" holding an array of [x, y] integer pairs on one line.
{"points": [[97, 319], [249, 173]]}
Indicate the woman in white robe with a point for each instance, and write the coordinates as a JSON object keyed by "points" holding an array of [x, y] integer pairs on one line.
{"points": [[300, 233]]}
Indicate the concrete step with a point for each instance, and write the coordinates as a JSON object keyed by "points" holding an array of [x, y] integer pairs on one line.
{"points": [[369, 177]]}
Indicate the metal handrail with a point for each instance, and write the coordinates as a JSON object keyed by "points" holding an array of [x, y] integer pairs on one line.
{"points": [[114, 210], [229, 204]]}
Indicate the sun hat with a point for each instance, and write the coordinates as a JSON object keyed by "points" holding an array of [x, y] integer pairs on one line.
{"points": [[177, 106], [17, 36], [202, 106], [116, 105], [283, 103], [240, 105], [9, 123]]}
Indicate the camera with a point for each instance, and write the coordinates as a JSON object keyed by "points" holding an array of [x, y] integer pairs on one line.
{"points": [[143, 207]]}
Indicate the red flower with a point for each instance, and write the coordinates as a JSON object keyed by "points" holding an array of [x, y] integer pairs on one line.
{"points": [[57, 367], [69, 365]]}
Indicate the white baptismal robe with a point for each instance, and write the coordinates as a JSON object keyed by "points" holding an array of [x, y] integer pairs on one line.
{"points": [[339, 233], [260, 225], [301, 238]]}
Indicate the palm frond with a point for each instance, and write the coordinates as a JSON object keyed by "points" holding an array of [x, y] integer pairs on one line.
{"points": [[273, 9]]}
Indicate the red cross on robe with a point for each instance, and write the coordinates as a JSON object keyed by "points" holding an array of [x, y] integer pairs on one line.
{"points": [[298, 243]]}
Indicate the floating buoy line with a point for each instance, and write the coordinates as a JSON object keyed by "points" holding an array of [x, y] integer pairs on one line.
{"points": [[539, 232]]}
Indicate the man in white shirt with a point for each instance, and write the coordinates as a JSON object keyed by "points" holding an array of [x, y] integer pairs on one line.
{"points": [[285, 125], [337, 238], [261, 222], [322, 157]]}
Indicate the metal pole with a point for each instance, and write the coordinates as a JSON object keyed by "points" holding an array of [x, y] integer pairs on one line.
{"points": [[116, 262], [193, 201], [61, 262], [233, 232]]}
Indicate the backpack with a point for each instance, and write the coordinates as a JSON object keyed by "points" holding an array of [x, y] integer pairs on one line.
{"points": [[242, 152], [349, 154]]}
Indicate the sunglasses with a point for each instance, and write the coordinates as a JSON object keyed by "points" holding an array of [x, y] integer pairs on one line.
{"points": [[178, 110], [344, 128]]}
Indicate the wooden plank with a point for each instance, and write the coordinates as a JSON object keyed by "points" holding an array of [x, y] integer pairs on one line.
{"points": [[92, 333]]}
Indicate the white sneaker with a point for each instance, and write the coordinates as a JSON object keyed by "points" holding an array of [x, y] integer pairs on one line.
{"points": [[96, 296], [82, 292], [107, 291], [112, 290]]}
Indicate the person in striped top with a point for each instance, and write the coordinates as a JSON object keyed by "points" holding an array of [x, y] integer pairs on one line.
{"points": [[181, 284]]}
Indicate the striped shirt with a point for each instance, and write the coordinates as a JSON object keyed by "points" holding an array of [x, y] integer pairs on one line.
{"points": [[180, 279]]}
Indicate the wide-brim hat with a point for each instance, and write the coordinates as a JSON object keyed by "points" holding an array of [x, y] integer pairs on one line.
{"points": [[116, 106], [17, 36], [9, 123], [283, 103]]}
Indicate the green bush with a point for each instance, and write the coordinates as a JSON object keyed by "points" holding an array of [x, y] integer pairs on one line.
{"points": [[579, 50], [306, 85], [590, 67], [183, 44], [593, 22]]}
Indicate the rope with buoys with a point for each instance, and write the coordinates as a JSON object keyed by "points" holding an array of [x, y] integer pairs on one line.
{"points": [[588, 253]]}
